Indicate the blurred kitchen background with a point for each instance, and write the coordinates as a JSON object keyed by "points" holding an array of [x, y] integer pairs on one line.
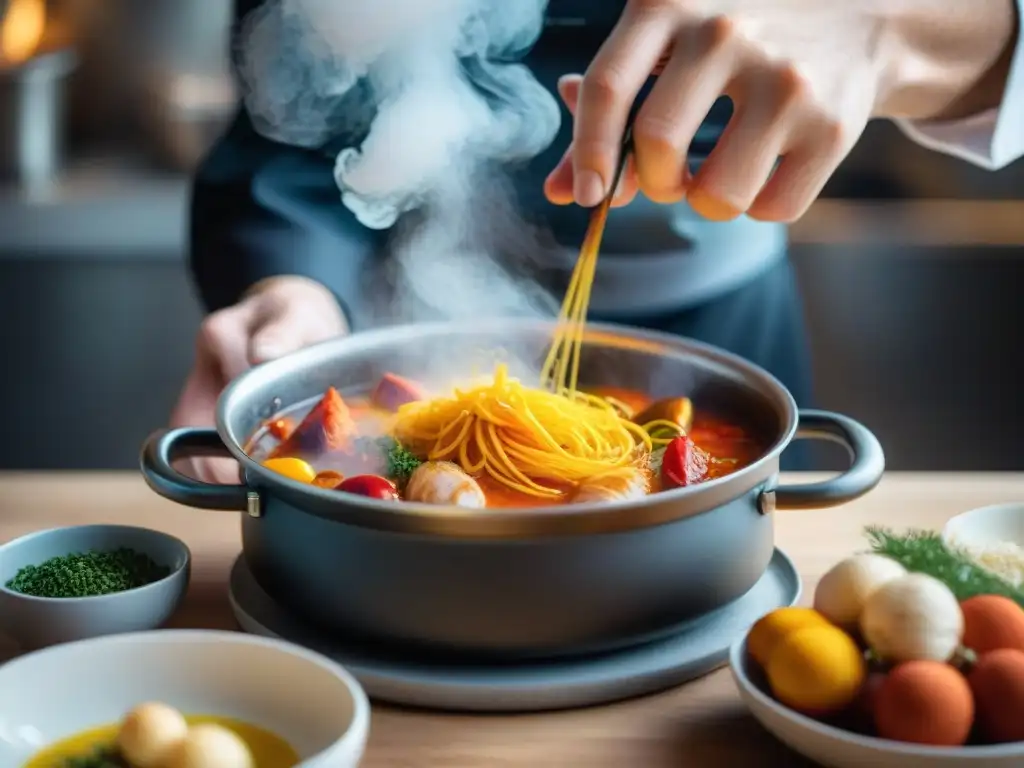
{"points": [[912, 266]]}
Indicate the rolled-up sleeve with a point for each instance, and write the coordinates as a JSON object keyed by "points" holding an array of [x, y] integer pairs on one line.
{"points": [[992, 139]]}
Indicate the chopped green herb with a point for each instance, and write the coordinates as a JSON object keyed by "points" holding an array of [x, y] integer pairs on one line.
{"points": [[87, 574], [401, 462], [104, 757], [925, 552]]}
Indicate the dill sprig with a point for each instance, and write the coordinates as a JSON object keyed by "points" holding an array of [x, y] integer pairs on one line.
{"points": [[925, 552]]}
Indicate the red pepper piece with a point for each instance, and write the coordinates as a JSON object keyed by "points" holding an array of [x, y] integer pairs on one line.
{"points": [[280, 428], [328, 427], [394, 391], [683, 463]]}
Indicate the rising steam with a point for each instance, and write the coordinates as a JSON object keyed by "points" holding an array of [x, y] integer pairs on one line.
{"points": [[429, 99]]}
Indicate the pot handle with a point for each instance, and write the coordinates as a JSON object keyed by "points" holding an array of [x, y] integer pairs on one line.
{"points": [[166, 446], [867, 463]]}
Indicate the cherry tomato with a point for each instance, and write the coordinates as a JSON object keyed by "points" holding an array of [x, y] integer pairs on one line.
{"points": [[683, 463], [295, 469], [280, 428], [328, 478], [372, 486]]}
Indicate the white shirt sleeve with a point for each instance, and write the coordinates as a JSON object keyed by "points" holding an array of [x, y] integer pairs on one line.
{"points": [[992, 139]]}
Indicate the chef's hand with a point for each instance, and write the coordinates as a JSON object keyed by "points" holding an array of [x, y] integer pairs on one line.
{"points": [[278, 315], [804, 77]]}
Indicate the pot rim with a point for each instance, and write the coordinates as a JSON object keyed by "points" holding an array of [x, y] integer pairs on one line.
{"points": [[590, 517]]}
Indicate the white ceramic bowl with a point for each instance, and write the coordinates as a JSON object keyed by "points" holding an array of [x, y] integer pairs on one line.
{"points": [[987, 526], [36, 622], [306, 699], [836, 748]]}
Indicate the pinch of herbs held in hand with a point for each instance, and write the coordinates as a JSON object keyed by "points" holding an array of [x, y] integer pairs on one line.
{"points": [[87, 574]]}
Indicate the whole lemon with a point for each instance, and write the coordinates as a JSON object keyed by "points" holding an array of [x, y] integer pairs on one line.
{"points": [[817, 670], [771, 628]]}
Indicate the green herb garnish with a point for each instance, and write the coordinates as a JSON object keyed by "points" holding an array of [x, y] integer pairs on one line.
{"points": [[87, 574], [401, 462], [103, 757], [925, 552]]}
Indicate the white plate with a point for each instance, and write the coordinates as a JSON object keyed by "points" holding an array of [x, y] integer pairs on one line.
{"points": [[836, 748], [306, 699]]}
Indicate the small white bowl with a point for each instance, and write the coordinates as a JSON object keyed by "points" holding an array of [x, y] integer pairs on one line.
{"points": [[306, 699], [987, 526], [837, 748], [36, 622]]}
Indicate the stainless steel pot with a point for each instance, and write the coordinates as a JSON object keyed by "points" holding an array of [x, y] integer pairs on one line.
{"points": [[508, 582]]}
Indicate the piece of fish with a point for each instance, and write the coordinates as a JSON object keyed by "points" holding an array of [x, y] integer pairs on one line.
{"points": [[441, 482], [619, 486]]}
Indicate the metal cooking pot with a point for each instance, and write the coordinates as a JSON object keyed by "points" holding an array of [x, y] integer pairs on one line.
{"points": [[511, 582]]}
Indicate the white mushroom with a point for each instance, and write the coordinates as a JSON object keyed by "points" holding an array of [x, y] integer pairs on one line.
{"points": [[441, 482], [842, 592], [912, 617], [618, 486]]}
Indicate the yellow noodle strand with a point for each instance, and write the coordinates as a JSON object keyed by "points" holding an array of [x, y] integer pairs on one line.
{"points": [[562, 365], [531, 440]]}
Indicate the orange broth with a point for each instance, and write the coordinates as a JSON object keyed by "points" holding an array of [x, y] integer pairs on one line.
{"points": [[729, 446]]}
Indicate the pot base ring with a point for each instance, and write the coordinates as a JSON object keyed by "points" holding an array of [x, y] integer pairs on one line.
{"points": [[528, 687]]}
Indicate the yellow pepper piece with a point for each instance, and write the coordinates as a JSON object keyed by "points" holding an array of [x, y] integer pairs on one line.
{"points": [[294, 469]]}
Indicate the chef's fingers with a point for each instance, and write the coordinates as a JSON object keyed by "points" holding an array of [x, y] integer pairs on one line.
{"points": [[802, 174], [225, 335], [198, 398], [220, 356], [608, 91], [558, 187], [695, 75], [196, 406], [569, 90], [766, 112], [558, 184], [277, 335]]}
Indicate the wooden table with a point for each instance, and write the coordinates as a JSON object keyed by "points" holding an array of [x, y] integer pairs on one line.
{"points": [[699, 724]]}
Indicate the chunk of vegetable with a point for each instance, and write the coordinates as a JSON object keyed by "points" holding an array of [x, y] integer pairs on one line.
{"points": [[678, 410], [441, 482], [371, 486], [280, 428], [292, 468], [328, 427], [393, 391], [683, 463], [328, 478]]}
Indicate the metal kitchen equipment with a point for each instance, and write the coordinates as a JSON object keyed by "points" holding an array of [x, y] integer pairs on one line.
{"points": [[32, 114], [508, 583]]}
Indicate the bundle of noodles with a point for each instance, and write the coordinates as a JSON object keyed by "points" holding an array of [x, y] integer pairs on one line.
{"points": [[528, 439]]}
